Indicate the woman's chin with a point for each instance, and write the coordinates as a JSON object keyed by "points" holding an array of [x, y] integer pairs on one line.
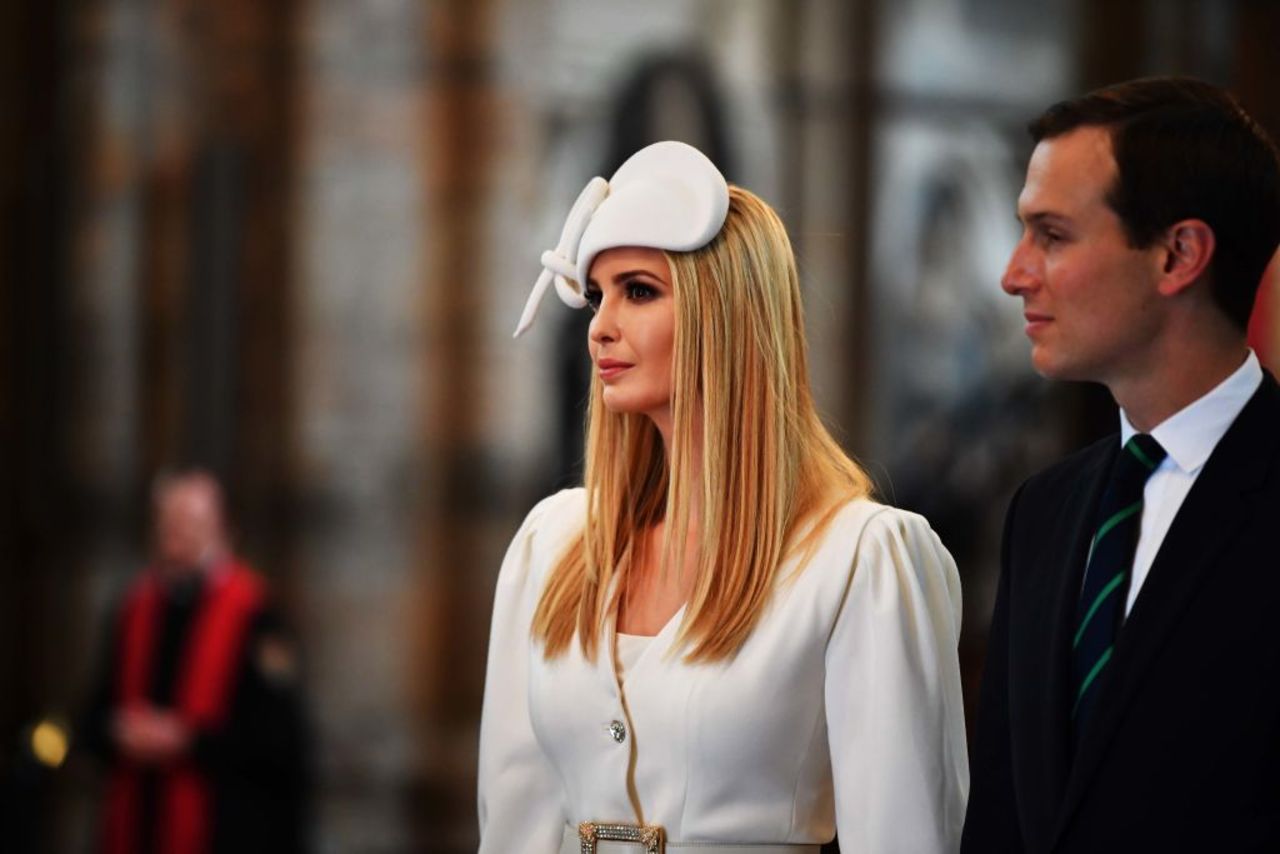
{"points": [[617, 402], [621, 403]]}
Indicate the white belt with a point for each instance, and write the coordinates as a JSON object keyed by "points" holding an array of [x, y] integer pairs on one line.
{"points": [[572, 843]]}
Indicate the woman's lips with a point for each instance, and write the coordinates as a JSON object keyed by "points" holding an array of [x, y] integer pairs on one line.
{"points": [[610, 368]]}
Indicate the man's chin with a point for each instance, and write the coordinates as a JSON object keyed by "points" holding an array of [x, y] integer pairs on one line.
{"points": [[1052, 367]]}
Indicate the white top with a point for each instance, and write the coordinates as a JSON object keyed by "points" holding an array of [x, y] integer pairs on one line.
{"points": [[1189, 435], [843, 709], [628, 652]]}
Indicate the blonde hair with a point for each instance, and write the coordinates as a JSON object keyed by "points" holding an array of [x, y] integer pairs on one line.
{"points": [[769, 465]]}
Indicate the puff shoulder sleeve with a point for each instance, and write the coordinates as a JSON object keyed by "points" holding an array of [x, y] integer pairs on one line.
{"points": [[519, 790], [895, 713]]}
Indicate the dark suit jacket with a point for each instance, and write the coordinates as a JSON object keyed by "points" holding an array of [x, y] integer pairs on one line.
{"points": [[1183, 752]]}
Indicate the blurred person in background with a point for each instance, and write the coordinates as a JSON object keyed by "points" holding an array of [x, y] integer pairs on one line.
{"points": [[196, 712], [1131, 699], [721, 641]]}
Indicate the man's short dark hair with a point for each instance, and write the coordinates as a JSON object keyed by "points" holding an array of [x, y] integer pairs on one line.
{"points": [[1185, 149]]}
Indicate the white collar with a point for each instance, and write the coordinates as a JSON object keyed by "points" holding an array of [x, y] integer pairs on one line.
{"points": [[1191, 433]]}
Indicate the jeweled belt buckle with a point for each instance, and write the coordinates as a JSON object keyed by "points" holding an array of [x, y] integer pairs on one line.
{"points": [[648, 835]]}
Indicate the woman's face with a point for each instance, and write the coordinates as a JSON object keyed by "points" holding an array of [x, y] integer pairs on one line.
{"points": [[633, 332]]}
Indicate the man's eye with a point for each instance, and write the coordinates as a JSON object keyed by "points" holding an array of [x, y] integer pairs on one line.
{"points": [[1049, 237]]}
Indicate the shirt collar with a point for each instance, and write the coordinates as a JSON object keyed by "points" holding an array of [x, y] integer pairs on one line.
{"points": [[1191, 433]]}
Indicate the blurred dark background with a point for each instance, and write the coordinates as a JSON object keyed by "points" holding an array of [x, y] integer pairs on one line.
{"points": [[288, 241]]}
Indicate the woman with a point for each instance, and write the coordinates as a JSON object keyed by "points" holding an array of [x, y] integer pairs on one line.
{"points": [[721, 641]]}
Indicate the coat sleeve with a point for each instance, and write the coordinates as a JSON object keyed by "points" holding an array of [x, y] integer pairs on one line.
{"points": [[992, 821], [265, 742], [520, 800], [895, 714]]}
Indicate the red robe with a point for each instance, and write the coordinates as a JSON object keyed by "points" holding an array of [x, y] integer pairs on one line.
{"points": [[205, 681]]}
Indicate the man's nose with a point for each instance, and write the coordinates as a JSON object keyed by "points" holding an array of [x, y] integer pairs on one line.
{"points": [[1020, 273]]}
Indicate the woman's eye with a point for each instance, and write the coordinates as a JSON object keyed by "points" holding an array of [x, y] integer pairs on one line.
{"points": [[592, 296], [639, 291]]}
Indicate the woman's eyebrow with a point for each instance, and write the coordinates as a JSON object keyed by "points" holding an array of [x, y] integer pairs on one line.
{"points": [[619, 278], [631, 274]]}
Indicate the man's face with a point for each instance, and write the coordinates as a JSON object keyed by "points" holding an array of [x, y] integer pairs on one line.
{"points": [[1090, 300], [188, 527]]}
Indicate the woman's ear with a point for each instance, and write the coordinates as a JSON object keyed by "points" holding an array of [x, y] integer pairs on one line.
{"points": [[1188, 248]]}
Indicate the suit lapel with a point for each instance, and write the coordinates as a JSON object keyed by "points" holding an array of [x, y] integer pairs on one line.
{"points": [[1207, 522], [1042, 725]]}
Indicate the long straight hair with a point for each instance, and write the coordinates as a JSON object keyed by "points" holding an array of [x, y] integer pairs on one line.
{"points": [[770, 468]]}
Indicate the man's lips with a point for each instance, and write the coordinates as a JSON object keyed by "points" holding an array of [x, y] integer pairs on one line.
{"points": [[1036, 321], [610, 368]]}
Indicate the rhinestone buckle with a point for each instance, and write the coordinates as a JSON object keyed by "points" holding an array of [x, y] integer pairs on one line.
{"points": [[647, 835]]}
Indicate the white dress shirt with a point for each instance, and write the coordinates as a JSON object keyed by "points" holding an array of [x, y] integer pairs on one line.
{"points": [[1189, 436], [843, 708]]}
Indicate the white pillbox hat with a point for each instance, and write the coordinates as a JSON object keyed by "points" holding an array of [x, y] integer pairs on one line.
{"points": [[667, 195]]}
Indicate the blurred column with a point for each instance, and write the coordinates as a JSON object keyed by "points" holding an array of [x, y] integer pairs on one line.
{"points": [[462, 126], [825, 106], [1255, 70], [35, 498], [1111, 44], [1256, 65], [171, 145], [240, 415], [72, 333], [356, 355], [110, 57]]}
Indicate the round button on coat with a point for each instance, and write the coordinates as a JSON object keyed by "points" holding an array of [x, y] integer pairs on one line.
{"points": [[618, 730]]}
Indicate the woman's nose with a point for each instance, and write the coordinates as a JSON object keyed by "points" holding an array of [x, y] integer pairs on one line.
{"points": [[604, 323]]}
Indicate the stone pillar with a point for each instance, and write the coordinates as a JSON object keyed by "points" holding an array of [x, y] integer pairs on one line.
{"points": [[463, 127], [357, 353]]}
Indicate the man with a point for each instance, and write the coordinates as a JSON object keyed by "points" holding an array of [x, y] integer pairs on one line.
{"points": [[1131, 699], [197, 710]]}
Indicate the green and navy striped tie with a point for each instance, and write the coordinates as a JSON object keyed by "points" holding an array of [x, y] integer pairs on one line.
{"points": [[1106, 577]]}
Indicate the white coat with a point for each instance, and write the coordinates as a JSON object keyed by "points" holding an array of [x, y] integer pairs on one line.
{"points": [[842, 711]]}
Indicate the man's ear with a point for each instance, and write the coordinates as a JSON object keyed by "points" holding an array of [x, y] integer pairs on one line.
{"points": [[1188, 247]]}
